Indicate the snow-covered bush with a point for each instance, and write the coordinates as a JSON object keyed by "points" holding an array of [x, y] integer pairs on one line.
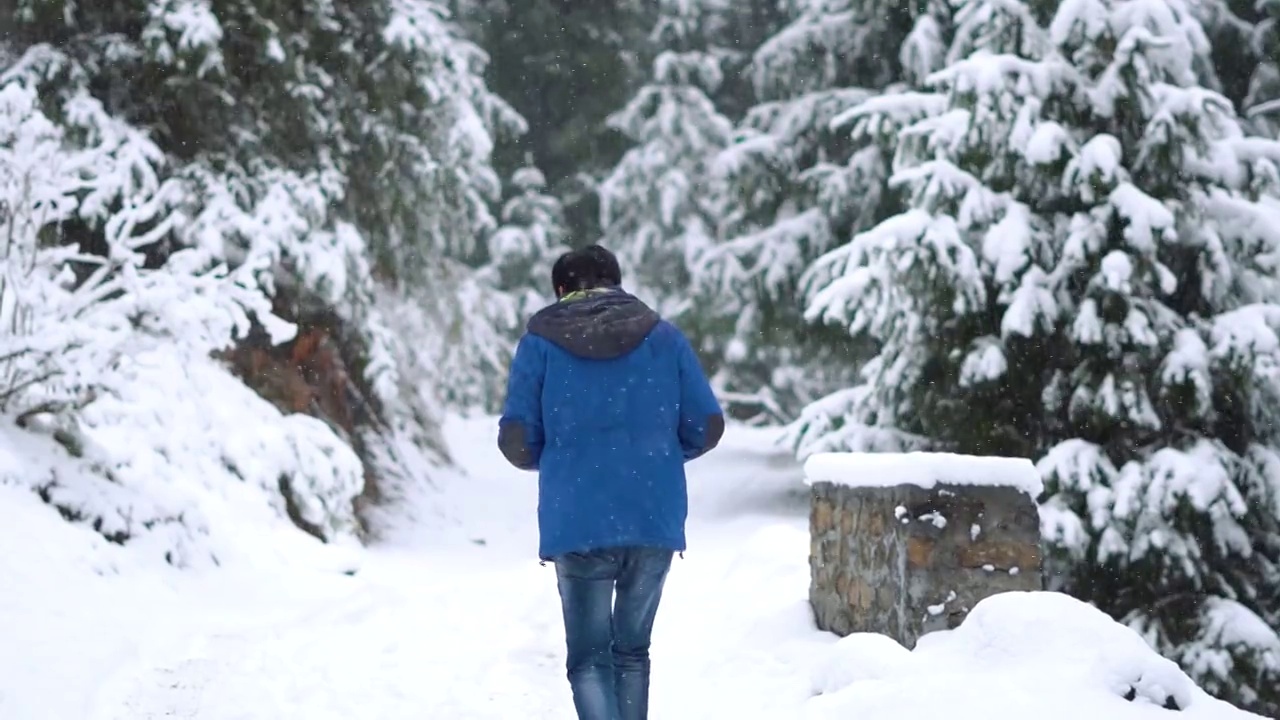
{"points": [[455, 352], [184, 462], [71, 316], [101, 349], [1086, 275], [175, 185]]}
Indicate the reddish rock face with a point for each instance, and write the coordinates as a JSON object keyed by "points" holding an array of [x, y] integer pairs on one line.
{"points": [[905, 561], [305, 375], [314, 374]]}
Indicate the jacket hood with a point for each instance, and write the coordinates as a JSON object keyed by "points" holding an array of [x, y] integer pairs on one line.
{"points": [[598, 324]]}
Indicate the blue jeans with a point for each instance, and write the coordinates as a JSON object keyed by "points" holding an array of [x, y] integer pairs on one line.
{"points": [[608, 638]]}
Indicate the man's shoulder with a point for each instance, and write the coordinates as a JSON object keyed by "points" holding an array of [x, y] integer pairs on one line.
{"points": [[666, 337], [666, 331], [531, 343]]}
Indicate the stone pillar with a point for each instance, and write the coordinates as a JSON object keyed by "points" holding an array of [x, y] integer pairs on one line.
{"points": [[898, 550]]}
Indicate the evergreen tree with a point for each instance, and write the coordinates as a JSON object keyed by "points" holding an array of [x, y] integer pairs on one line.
{"points": [[1247, 47], [793, 185], [1085, 276], [655, 207], [351, 96], [532, 236], [565, 66], [513, 283]]}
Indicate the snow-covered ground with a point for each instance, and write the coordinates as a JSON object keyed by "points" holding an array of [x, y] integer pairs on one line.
{"points": [[452, 617]]}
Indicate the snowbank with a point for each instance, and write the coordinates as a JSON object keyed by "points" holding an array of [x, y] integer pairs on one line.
{"points": [[923, 470], [186, 464], [1016, 656], [182, 463], [62, 618], [79, 613]]}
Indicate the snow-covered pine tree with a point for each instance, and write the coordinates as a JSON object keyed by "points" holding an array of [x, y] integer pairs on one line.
{"points": [[793, 188], [1087, 275], [532, 236], [322, 153], [513, 283], [566, 67], [1244, 38], [656, 209], [1247, 48]]}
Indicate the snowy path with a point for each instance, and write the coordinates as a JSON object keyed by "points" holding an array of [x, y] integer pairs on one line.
{"points": [[397, 647], [440, 626]]}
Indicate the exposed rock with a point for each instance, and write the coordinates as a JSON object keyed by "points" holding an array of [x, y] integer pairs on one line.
{"points": [[904, 560], [319, 373]]}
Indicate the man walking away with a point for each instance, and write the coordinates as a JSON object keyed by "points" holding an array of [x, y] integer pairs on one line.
{"points": [[607, 402]]}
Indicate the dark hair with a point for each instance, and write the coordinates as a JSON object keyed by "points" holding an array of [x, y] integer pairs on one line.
{"points": [[585, 269]]}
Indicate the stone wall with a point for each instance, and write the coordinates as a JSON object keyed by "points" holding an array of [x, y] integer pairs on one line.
{"points": [[905, 560]]}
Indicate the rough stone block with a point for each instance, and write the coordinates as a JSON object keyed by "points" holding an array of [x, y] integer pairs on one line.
{"points": [[905, 560]]}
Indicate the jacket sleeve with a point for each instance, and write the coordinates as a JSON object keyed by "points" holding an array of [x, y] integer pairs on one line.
{"points": [[701, 419], [520, 431]]}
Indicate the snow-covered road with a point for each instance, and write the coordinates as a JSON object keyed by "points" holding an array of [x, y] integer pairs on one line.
{"points": [[451, 617], [458, 620]]}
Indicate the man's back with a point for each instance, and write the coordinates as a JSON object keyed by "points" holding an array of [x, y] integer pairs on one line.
{"points": [[607, 401]]}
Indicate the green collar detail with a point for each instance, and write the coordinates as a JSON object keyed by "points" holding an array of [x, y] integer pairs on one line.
{"points": [[583, 294]]}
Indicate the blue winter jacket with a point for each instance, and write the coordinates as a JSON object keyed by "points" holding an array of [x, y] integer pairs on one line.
{"points": [[607, 402]]}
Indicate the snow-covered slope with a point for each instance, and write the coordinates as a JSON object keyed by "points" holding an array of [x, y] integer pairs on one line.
{"points": [[454, 618], [185, 464]]}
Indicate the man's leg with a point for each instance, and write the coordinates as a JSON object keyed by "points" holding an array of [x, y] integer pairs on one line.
{"points": [[643, 573], [586, 595]]}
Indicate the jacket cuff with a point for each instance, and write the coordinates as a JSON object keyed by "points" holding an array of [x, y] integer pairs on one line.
{"points": [[513, 442]]}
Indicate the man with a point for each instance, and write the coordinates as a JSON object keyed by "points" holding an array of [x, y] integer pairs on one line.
{"points": [[607, 402]]}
